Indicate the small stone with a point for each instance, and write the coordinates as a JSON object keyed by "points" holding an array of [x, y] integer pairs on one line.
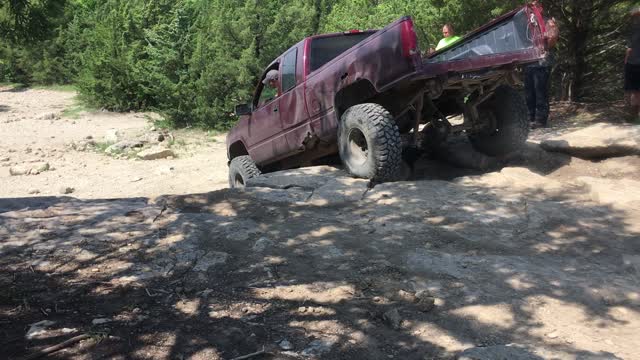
{"points": [[136, 179], [425, 301], [44, 167], [285, 345], [66, 190], [262, 244], [5, 159], [28, 150], [34, 191], [18, 170], [154, 153], [392, 318], [317, 348], [112, 136], [82, 145], [553, 335], [122, 146], [89, 137], [38, 328], [100, 321], [407, 296]]}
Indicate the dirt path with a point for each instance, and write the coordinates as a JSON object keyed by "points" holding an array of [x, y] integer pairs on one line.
{"points": [[537, 259], [36, 131]]}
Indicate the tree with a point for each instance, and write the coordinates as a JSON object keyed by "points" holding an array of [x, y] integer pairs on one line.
{"points": [[29, 19], [591, 47]]}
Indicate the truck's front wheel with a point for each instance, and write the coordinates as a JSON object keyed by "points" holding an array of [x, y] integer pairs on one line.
{"points": [[507, 125], [241, 169], [369, 142]]}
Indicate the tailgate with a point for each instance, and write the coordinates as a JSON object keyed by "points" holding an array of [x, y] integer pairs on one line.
{"points": [[515, 38]]}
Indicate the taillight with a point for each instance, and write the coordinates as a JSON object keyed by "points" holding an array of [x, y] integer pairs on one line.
{"points": [[409, 39]]}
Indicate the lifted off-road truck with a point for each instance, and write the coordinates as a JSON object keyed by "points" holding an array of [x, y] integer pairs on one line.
{"points": [[370, 95]]}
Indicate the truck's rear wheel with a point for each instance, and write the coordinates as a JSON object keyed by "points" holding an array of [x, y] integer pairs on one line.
{"points": [[241, 169], [369, 142], [506, 113]]}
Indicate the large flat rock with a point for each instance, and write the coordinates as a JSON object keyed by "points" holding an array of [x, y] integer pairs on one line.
{"points": [[597, 142], [319, 185], [307, 178]]}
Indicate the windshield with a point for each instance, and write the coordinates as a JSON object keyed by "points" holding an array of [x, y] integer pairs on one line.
{"points": [[325, 49]]}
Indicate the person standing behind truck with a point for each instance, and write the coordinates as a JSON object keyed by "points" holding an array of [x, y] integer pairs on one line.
{"points": [[449, 37], [632, 67], [536, 80]]}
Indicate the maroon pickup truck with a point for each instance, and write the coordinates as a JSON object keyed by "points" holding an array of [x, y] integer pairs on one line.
{"points": [[369, 95]]}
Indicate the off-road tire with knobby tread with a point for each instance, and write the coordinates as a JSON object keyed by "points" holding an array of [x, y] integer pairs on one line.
{"points": [[511, 124], [369, 143], [241, 169]]}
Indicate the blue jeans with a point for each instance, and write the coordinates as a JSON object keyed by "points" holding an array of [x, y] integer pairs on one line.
{"points": [[536, 86]]}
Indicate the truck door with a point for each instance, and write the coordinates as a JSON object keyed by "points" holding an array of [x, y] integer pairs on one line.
{"points": [[293, 113], [265, 129]]}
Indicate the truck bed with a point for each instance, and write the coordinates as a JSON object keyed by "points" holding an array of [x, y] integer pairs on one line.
{"points": [[511, 39]]}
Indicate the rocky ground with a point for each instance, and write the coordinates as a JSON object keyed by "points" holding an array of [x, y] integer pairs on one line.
{"points": [[535, 256]]}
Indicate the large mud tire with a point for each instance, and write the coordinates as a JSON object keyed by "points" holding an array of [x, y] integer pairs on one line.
{"points": [[508, 112], [241, 169], [369, 143]]}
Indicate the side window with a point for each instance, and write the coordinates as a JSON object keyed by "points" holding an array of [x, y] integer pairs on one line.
{"points": [[267, 95], [289, 70], [266, 92]]}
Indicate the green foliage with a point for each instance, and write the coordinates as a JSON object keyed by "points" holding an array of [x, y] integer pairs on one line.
{"points": [[193, 60]]}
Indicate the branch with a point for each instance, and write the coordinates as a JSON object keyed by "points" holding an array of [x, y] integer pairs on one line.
{"points": [[250, 355], [55, 348]]}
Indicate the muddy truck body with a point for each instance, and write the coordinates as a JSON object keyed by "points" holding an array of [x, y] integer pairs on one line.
{"points": [[370, 95]]}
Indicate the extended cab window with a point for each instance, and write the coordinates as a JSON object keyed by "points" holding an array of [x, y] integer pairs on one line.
{"points": [[289, 70], [325, 49]]}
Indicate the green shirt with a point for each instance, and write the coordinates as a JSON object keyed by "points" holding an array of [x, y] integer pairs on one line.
{"points": [[447, 41], [268, 94]]}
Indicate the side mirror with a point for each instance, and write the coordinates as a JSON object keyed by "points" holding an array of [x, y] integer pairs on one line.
{"points": [[243, 109]]}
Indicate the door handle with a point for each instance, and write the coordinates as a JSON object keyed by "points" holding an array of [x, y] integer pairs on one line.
{"points": [[275, 109]]}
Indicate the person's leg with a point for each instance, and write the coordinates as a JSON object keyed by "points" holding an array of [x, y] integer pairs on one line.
{"points": [[631, 92], [634, 101], [530, 92], [542, 95]]}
